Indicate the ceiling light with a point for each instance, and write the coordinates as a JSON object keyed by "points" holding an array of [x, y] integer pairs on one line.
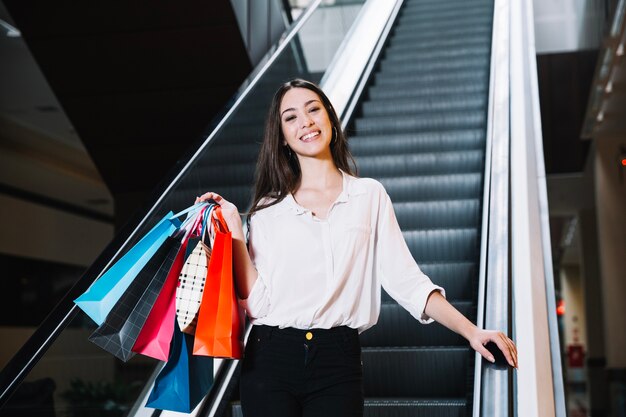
{"points": [[9, 30]]}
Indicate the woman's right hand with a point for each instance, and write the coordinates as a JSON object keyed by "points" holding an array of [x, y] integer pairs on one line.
{"points": [[229, 211]]}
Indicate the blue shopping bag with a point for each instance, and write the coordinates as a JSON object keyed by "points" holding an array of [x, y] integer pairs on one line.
{"points": [[184, 380], [100, 298]]}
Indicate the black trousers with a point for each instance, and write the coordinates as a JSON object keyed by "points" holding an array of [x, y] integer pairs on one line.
{"points": [[302, 373]]}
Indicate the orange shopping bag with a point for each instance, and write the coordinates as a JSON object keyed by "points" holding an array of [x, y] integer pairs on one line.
{"points": [[219, 330]]}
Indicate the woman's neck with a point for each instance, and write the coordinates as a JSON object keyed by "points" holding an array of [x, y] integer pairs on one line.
{"points": [[318, 174]]}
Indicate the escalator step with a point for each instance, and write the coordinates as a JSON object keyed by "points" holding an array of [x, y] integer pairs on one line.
{"points": [[415, 372], [434, 5], [419, 67], [426, 92], [405, 407], [412, 16], [413, 407], [438, 214], [459, 32], [420, 164], [441, 27], [456, 278], [442, 245], [457, 77], [440, 140], [436, 54], [396, 45], [234, 153], [396, 327], [433, 187]]}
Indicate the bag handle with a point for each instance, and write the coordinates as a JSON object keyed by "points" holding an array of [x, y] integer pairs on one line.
{"points": [[190, 209], [218, 220]]}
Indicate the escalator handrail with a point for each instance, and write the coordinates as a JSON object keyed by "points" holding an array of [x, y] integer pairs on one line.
{"points": [[491, 384], [352, 65], [346, 111], [47, 332], [539, 380]]}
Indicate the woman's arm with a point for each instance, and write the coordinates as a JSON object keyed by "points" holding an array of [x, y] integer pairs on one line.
{"points": [[438, 308], [243, 268]]}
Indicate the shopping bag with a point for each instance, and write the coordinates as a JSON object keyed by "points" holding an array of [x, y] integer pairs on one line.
{"points": [[119, 331], [100, 298], [219, 330], [184, 380], [193, 277], [155, 337]]}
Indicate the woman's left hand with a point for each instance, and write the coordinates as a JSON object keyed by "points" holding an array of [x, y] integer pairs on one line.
{"points": [[479, 338]]}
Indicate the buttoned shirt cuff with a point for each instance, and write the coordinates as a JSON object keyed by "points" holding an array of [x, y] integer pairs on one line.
{"points": [[257, 304], [423, 299]]}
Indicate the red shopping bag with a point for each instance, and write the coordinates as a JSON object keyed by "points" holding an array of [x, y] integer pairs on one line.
{"points": [[155, 337], [219, 331]]}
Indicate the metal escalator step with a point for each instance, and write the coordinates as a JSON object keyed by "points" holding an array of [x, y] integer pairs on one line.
{"points": [[415, 372], [416, 105], [390, 144], [229, 175], [456, 278], [396, 327], [410, 16], [241, 134], [443, 245], [420, 164], [443, 32], [436, 43], [427, 92], [434, 66], [464, 76], [233, 153], [438, 214], [442, 26], [400, 407], [421, 122], [421, 6], [415, 407], [433, 187], [447, 53]]}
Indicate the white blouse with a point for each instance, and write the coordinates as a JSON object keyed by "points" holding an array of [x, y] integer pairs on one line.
{"points": [[323, 273]]}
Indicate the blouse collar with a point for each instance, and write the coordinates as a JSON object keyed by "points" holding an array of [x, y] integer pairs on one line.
{"points": [[350, 188]]}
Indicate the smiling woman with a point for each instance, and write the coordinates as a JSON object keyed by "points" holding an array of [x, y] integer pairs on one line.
{"points": [[322, 245]]}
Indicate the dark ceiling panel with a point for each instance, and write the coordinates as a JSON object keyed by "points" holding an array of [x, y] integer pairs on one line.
{"points": [[564, 85], [149, 61], [69, 18]]}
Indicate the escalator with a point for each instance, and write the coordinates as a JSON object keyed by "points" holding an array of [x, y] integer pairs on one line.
{"points": [[419, 128], [421, 132]]}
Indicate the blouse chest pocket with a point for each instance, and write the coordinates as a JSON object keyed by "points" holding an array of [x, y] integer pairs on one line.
{"points": [[352, 238], [357, 228]]}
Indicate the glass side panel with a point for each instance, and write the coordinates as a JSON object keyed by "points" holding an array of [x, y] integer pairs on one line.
{"points": [[77, 378]]}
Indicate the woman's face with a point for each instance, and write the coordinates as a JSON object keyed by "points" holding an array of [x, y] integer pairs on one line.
{"points": [[305, 123]]}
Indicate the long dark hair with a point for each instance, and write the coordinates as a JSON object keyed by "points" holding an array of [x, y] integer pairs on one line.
{"points": [[278, 169]]}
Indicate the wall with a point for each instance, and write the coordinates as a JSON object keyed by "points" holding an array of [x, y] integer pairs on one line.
{"points": [[567, 25]]}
